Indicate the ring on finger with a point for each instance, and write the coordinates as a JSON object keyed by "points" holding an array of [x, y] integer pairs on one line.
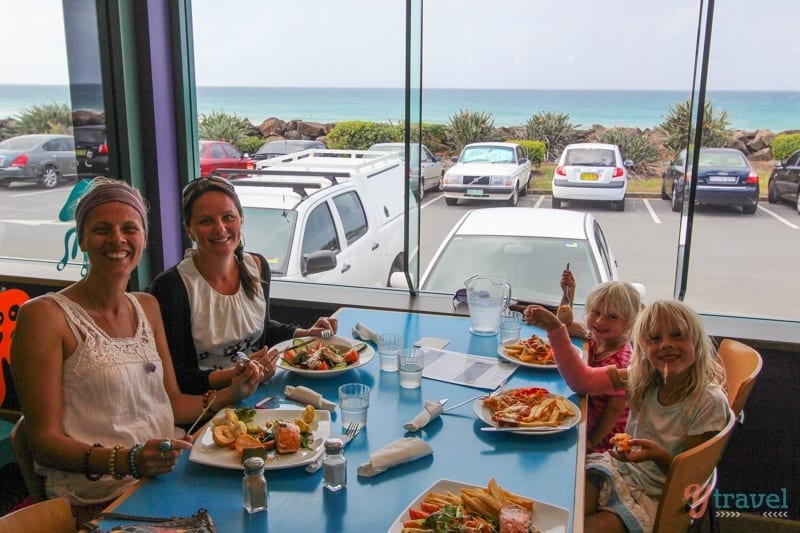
{"points": [[165, 445]]}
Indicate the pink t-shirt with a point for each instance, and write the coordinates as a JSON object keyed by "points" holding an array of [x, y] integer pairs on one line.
{"points": [[597, 403]]}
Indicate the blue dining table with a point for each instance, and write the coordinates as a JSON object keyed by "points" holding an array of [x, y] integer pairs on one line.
{"points": [[547, 468]]}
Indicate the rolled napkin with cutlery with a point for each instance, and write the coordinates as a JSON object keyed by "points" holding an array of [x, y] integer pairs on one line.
{"points": [[309, 396], [395, 453], [432, 410], [360, 331]]}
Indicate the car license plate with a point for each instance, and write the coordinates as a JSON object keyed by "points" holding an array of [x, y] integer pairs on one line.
{"points": [[588, 176], [80, 153], [722, 179], [474, 192]]}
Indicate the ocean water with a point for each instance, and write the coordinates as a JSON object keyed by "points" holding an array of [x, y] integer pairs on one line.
{"points": [[748, 110]]}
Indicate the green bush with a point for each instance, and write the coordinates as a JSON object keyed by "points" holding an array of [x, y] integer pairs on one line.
{"points": [[434, 136], [223, 127], [634, 146], [47, 118], [472, 126], [250, 144], [675, 127], [785, 145], [535, 149], [360, 135], [554, 130]]}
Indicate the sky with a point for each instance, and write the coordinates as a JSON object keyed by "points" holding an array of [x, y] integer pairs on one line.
{"points": [[562, 44]]}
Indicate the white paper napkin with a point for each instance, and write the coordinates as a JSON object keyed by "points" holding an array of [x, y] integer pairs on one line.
{"points": [[398, 452], [309, 396], [431, 411], [360, 331]]}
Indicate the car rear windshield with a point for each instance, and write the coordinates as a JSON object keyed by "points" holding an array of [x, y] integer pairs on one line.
{"points": [[532, 265], [19, 143], [90, 135], [723, 159], [595, 157]]}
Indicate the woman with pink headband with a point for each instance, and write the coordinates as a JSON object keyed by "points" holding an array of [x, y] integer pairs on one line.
{"points": [[91, 365]]}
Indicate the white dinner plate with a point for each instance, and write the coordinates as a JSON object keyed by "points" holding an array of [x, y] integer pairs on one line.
{"points": [[365, 356], [501, 351], [546, 517], [485, 415], [205, 452]]}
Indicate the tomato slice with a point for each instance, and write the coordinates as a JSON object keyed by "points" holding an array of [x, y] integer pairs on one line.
{"points": [[430, 507], [323, 366], [416, 514], [290, 356], [351, 356]]}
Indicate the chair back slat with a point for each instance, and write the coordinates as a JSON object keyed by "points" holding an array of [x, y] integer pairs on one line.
{"points": [[742, 366], [50, 516]]}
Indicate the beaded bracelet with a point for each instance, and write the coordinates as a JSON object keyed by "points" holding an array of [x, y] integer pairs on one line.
{"points": [[85, 465], [112, 462], [132, 460]]}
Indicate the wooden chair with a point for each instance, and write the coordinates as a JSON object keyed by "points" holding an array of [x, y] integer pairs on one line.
{"points": [[690, 483], [742, 366], [50, 516], [22, 450]]}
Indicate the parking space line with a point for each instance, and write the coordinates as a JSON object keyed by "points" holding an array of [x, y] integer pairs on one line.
{"points": [[539, 201], [777, 217], [24, 194], [650, 210]]}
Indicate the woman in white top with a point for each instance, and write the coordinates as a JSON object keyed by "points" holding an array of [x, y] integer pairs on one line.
{"points": [[92, 369]]}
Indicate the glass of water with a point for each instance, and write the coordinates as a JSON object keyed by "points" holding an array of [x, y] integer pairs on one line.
{"points": [[411, 361], [353, 403]]}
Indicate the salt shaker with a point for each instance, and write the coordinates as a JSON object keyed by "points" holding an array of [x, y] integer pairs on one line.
{"points": [[334, 466], [254, 485]]}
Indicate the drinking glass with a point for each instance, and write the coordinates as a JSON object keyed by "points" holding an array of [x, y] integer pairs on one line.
{"points": [[510, 326], [389, 345], [353, 403], [411, 361]]}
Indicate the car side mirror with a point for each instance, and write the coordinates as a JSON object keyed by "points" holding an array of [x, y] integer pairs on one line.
{"points": [[319, 261], [522, 160], [627, 163], [436, 159], [454, 159]]}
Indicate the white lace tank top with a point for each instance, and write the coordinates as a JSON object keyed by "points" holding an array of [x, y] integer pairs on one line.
{"points": [[113, 393], [222, 324]]}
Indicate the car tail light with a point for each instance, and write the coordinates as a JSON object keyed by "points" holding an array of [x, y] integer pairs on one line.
{"points": [[251, 165], [560, 171], [103, 149], [752, 179], [20, 161], [618, 172]]}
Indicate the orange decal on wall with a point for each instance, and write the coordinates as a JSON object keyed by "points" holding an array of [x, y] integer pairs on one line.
{"points": [[10, 302]]}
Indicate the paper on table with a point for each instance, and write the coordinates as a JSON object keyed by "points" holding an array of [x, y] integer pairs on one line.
{"points": [[309, 396], [433, 342], [398, 452], [430, 412], [360, 331], [464, 369]]}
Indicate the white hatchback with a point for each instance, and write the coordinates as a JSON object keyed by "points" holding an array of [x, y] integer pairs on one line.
{"points": [[591, 171]]}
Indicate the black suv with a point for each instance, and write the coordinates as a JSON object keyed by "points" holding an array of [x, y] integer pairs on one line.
{"points": [[91, 151]]}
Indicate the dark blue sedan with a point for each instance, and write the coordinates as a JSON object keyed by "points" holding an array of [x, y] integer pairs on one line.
{"points": [[724, 177]]}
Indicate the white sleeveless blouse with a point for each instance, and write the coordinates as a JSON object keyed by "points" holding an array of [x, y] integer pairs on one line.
{"points": [[222, 324], [114, 393]]}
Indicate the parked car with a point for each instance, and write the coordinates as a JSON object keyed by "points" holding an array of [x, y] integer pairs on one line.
{"points": [[591, 171], [432, 166], [289, 146], [784, 181], [91, 150], [488, 171], [724, 177], [43, 158], [529, 248], [220, 154]]}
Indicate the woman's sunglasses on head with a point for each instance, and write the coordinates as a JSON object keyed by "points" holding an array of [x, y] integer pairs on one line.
{"points": [[212, 179]]}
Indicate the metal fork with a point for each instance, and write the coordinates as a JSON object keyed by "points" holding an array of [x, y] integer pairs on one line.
{"points": [[351, 432], [326, 334]]}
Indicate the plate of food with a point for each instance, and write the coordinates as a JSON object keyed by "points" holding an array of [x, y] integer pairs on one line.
{"points": [[285, 438], [321, 358], [492, 508], [533, 352], [535, 411]]}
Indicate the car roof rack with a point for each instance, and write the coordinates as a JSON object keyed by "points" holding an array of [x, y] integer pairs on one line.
{"points": [[276, 179]]}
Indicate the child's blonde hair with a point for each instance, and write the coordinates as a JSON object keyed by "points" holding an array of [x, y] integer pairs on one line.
{"points": [[705, 371], [618, 298]]}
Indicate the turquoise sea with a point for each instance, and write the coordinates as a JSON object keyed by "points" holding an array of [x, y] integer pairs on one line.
{"points": [[747, 110]]}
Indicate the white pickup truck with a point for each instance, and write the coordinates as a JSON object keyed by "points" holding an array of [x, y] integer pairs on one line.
{"points": [[327, 216]]}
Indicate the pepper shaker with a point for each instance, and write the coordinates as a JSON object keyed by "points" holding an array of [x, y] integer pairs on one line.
{"points": [[254, 485], [334, 466]]}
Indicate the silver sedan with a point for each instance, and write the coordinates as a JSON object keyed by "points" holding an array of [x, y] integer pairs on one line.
{"points": [[41, 158]]}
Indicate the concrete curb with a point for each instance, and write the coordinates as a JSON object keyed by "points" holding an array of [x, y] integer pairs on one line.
{"points": [[629, 194]]}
